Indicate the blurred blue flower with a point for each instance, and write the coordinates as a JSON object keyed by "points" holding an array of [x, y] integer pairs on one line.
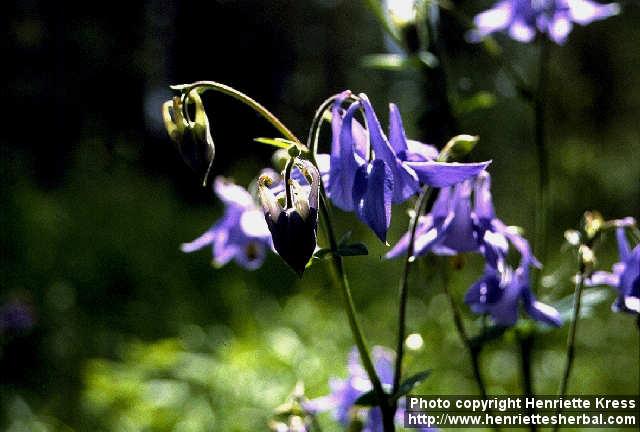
{"points": [[523, 18], [456, 224], [16, 316], [368, 172], [344, 393], [241, 234], [293, 226], [625, 276], [500, 291], [462, 220]]}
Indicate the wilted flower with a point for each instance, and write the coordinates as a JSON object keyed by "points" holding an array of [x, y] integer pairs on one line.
{"points": [[192, 137], [293, 224], [463, 220], [345, 392], [625, 276], [241, 234], [369, 172], [523, 18]]}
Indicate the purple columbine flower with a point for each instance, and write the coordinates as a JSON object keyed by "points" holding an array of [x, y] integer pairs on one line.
{"points": [[457, 223], [523, 18], [293, 225], [241, 234], [625, 276], [500, 291], [369, 172], [462, 220], [344, 393]]}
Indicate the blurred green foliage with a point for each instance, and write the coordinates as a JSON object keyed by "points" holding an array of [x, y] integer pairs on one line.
{"points": [[133, 335]]}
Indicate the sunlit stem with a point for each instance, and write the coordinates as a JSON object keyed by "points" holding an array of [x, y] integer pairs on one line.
{"points": [[340, 279], [252, 103]]}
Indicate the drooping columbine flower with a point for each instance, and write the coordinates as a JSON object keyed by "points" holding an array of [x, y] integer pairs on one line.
{"points": [[344, 393], [625, 276], [522, 19], [459, 224], [241, 234], [501, 290], [293, 225], [463, 220], [369, 172]]}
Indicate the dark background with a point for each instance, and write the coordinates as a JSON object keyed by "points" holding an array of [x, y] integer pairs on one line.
{"points": [[95, 201]]}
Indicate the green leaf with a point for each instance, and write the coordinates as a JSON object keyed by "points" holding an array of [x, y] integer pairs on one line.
{"points": [[590, 299], [392, 62], [491, 333], [458, 147], [353, 249], [276, 142], [408, 384], [367, 399]]}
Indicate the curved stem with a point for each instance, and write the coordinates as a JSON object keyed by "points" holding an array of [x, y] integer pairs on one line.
{"points": [[474, 351], [404, 284], [252, 103], [571, 338]]}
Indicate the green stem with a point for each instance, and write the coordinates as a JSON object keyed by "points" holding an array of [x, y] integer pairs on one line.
{"points": [[340, 278], [252, 103], [526, 348], [404, 284], [474, 350], [571, 338]]}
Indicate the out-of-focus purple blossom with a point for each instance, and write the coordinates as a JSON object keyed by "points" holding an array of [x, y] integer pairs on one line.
{"points": [[293, 226], [522, 19], [501, 290], [241, 234], [459, 223], [462, 220], [368, 172], [16, 316], [344, 393], [625, 276]]}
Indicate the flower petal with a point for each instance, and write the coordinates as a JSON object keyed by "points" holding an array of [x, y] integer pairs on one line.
{"points": [[343, 164], [494, 19], [585, 11], [442, 174], [372, 193]]}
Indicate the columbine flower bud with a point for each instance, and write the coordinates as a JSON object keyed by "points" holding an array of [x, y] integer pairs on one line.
{"points": [[192, 137], [293, 225]]}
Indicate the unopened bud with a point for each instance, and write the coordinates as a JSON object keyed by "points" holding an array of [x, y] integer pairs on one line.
{"points": [[458, 147]]}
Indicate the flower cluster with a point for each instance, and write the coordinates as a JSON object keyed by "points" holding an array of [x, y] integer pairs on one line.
{"points": [[522, 19], [345, 392], [461, 223]]}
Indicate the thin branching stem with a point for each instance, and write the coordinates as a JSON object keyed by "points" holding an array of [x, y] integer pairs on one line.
{"points": [[403, 292]]}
